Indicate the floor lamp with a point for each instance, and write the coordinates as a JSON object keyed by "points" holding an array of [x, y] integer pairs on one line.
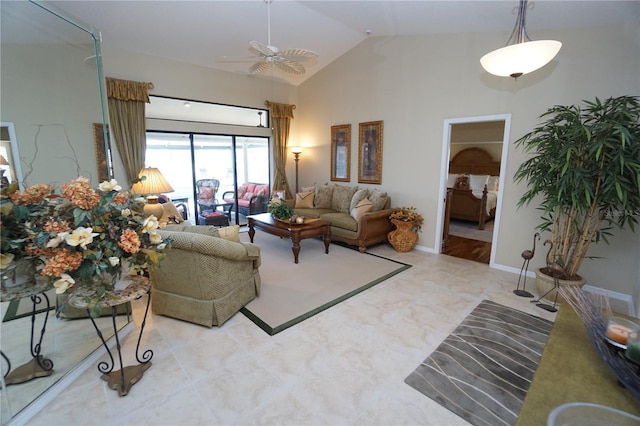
{"points": [[296, 152], [150, 184]]}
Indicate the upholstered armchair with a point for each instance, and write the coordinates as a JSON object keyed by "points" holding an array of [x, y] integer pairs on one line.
{"points": [[204, 279]]}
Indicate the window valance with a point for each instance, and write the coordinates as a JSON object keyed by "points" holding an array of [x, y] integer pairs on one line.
{"points": [[280, 110], [126, 90]]}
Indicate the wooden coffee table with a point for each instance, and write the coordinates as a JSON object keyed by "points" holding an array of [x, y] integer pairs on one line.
{"points": [[311, 228]]}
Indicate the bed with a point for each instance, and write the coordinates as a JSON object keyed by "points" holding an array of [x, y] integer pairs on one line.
{"points": [[473, 186]]}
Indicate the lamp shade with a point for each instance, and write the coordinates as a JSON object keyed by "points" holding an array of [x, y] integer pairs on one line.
{"points": [[296, 149], [3, 161], [152, 182], [521, 58]]}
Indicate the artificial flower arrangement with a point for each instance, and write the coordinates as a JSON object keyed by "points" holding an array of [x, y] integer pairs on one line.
{"points": [[81, 237], [279, 208], [408, 214]]}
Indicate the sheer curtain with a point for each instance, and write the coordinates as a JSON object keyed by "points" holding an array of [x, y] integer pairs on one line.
{"points": [[281, 116], [126, 115]]}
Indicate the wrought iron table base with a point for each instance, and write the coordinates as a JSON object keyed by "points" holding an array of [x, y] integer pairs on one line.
{"points": [[123, 379]]}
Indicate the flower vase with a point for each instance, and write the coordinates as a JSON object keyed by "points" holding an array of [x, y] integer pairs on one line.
{"points": [[403, 238]]}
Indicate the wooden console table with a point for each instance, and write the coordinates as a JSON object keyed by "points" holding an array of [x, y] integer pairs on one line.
{"points": [[572, 371]]}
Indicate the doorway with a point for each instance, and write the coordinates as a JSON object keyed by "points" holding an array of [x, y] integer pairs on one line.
{"points": [[474, 155]]}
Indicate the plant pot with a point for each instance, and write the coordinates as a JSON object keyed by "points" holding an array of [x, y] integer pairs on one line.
{"points": [[403, 238], [545, 283], [19, 273]]}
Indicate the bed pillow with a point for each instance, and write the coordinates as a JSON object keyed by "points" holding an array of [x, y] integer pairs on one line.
{"points": [[451, 180], [492, 183], [477, 182]]}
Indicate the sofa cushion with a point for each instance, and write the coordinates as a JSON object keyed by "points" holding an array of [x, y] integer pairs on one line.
{"points": [[360, 195], [251, 187], [262, 190], [323, 196], [194, 229], [341, 198], [363, 207], [312, 213], [304, 200], [242, 189], [378, 199], [341, 220], [247, 196], [205, 194]]}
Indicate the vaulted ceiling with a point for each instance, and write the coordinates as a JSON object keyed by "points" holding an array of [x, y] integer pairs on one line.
{"points": [[204, 32]]}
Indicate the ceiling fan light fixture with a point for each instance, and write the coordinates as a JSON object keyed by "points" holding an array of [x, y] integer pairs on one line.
{"points": [[521, 55]]}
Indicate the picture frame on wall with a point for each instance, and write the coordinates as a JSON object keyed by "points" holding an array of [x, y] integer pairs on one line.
{"points": [[370, 152], [341, 153], [104, 163]]}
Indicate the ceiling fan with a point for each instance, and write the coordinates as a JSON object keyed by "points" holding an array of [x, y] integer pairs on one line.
{"points": [[288, 60]]}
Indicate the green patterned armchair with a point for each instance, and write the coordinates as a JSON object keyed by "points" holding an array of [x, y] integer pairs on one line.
{"points": [[204, 279]]}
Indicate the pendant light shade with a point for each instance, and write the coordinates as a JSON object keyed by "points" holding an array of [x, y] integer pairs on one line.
{"points": [[521, 55]]}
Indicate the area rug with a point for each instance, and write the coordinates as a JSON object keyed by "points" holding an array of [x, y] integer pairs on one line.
{"points": [[291, 293], [461, 228], [483, 369]]}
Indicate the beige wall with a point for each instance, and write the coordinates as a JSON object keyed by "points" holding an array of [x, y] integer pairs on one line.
{"points": [[415, 83]]}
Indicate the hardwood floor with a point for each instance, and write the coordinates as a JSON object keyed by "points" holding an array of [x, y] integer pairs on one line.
{"points": [[465, 248]]}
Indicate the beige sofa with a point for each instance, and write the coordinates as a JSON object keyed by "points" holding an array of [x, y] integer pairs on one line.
{"points": [[204, 279], [358, 216]]}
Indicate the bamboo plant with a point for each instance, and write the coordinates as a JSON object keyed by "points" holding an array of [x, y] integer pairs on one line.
{"points": [[585, 170]]}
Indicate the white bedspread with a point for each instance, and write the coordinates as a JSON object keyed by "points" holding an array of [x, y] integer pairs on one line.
{"points": [[492, 199]]}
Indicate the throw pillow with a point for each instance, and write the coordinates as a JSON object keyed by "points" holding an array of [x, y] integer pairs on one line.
{"points": [[378, 199], [248, 196], [205, 194], [360, 195], [241, 191], [230, 233], [304, 200], [323, 196], [361, 208], [341, 198], [477, 182], [308, 189]]}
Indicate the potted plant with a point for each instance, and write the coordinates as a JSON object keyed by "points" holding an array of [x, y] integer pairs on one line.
{"points": [[280, 209], [585, 172], [408, 223]]}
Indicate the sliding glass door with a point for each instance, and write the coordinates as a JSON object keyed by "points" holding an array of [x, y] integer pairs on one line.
{"points": [[185, 158]]}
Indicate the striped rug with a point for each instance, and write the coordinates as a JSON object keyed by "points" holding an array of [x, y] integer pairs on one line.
{"points": [[482, 370]]}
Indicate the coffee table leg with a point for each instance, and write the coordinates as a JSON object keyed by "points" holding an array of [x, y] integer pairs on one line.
{"points": [[327, 242], [252, 231], [295, 238]]}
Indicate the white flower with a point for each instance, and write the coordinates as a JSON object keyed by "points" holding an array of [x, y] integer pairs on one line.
{"points": [[150, 224], [155, 238], [162, 246], [126, 212], [63, 283], [111, 185], [81, 236], [114, 261], [55, 241]]}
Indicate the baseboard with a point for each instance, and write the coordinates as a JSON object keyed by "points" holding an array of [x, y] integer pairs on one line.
{"points": [[619, 302]]}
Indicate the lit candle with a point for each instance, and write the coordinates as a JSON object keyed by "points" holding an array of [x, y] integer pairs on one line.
{"points": [[618, 333], [633, 347]]}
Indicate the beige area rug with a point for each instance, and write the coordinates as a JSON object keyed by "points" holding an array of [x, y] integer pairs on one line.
{"points": [[461, 228], [292, 292]]}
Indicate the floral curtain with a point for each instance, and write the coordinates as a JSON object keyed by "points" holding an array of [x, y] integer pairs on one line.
{"points": [[281, 116], [126, 115]]}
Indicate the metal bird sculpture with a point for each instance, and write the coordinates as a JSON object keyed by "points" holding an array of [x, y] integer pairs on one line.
{"points": [[556, 271], [527, 255]]}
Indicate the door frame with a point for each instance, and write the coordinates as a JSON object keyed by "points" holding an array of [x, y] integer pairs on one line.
{"points": [[444, 170]]}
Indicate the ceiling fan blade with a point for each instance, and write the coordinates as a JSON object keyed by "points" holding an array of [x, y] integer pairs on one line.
{"points": [[263, 49], [299, 55], [291, 67], [258, 67], [239, 58]]}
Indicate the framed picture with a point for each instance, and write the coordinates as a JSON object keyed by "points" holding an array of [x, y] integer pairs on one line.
{"points": [[370, 152], [341, 153], [103, 152]]}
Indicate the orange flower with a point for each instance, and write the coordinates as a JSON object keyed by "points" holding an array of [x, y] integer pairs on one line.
{"points": [[61, 262], [32, 195], [121, 198], [57, 227], [129, 241], [80, 193]]}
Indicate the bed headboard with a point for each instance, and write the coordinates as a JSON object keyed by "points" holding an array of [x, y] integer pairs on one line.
{"points": [[474, 161]]}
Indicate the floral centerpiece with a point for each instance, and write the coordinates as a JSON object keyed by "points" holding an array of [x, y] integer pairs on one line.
{"points": [[81, 237], [408, 214], [279, 209]]}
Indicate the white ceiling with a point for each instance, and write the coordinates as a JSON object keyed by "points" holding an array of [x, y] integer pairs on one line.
{"points": [[203, 32]]}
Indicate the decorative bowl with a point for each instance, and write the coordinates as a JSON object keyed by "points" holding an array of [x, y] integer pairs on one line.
{"points": [[618, 329], [587, 414]]}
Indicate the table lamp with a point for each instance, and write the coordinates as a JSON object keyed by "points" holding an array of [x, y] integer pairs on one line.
{"points": [[151, 183]]}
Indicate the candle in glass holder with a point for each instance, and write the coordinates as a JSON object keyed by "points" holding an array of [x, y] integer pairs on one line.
{"points": [[633, 347]]}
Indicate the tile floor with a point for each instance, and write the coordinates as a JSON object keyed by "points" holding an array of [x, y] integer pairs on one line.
{"points": [[343, 366]]}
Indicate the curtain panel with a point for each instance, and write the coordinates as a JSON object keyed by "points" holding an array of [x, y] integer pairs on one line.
{"points": [[281, 116], [127, 117]]}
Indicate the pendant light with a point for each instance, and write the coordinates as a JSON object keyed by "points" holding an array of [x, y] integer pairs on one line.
{"points": [[521, 55]]}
